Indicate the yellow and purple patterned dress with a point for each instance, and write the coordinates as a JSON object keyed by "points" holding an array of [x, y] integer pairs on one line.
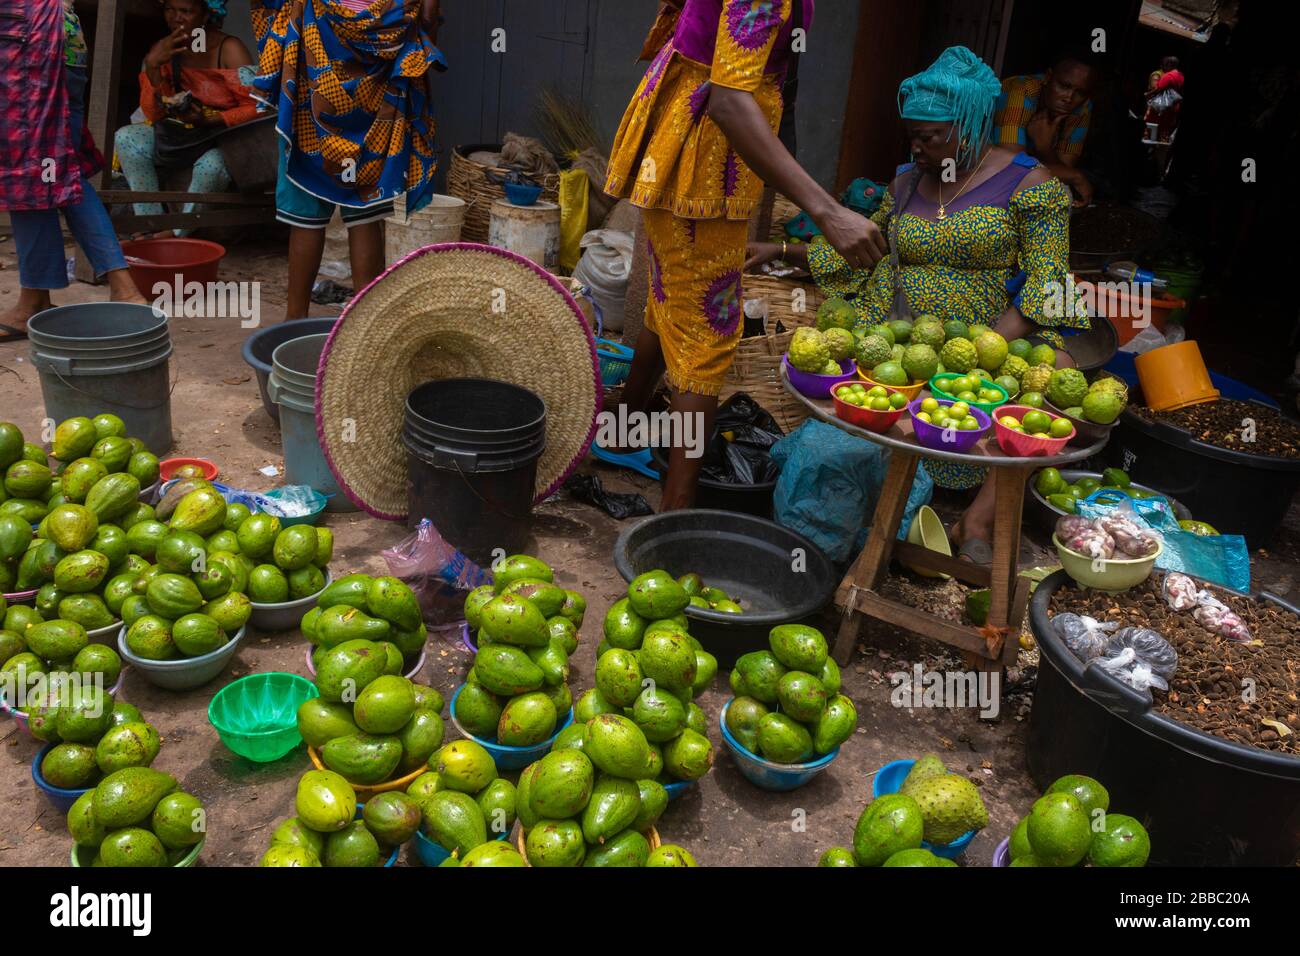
{"points": [[959, 267], [672, 160]]}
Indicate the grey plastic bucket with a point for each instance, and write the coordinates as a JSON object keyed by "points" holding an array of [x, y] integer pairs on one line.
{"points": [[292, 386], [106, 357]]}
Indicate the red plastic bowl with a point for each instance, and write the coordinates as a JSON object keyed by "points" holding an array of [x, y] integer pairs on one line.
{"points": [[1019, 445], [819, 386], [160, 260], [167, 469], [944, 439], [868, 418]]}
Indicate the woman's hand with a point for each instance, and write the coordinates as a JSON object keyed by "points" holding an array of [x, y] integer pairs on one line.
{"points": [[161, 53], [1012, 325], [759, 253], [855, 237]]}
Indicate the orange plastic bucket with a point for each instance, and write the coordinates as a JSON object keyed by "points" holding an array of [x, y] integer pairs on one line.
{"points": [[1174, 376], [1112, 302]]}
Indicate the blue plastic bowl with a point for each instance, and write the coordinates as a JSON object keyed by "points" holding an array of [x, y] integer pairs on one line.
{"points": [[510, 758], [766, 774], [392, 857], [433, 854], [888, 779], [522, 194], [678, 787], [61, 799]]}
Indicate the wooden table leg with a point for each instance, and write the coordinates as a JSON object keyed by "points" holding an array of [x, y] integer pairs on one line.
{"points": [[871, 566], [1009, 502]]}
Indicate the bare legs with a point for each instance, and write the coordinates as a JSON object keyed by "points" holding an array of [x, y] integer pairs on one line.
{"points": [[32, 301], [306, 246]]}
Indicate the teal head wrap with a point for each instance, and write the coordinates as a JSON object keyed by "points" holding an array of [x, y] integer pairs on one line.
{"points": [[958, 88]]}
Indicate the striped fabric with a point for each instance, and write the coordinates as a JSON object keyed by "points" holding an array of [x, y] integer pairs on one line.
{"points": [[1019, 101]]}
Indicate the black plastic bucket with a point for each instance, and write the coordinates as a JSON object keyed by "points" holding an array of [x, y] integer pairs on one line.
{"points": [[1205, 800], [724, 496], [778, 575], [473, 446], [1237, 492]]}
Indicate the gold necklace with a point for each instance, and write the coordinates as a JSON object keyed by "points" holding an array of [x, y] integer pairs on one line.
{"points": [[943, 213]]}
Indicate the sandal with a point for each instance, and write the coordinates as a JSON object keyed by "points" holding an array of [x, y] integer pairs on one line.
{"points": [[976, 551], [638, 461], [11, 333]]}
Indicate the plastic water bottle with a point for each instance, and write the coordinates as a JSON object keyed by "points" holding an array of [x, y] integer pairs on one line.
{"points": [[1129, 272]]}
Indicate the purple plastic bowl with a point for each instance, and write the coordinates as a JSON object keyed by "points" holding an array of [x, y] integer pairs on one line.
{"points": [[819, 386], [1002, 855], [465, 639], [409, 675], [19, 597], [932, 436], [20, 717]]}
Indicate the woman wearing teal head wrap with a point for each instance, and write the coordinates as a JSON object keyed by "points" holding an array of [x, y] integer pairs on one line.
{"points": [[979, 234]]}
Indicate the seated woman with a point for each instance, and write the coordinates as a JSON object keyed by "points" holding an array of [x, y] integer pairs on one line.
{"points": [[190, 93], [961, 239]]}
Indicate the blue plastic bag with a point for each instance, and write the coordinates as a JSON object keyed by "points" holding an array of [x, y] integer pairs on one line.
{"points": [[1221, 558], [829, 485]]}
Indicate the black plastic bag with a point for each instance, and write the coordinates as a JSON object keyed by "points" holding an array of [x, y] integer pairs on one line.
{"points": [[745, 459], [589, 490]]}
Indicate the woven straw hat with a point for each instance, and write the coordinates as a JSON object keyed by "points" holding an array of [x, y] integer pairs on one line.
{"points": [[451, 311]]}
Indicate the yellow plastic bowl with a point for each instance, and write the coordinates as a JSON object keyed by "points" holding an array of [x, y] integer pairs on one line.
{"points": [[1106, 574], [927, 530], [365, 791]]}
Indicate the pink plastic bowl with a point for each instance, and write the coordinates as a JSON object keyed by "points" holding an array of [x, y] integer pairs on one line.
{"points": [[1018, 445]]}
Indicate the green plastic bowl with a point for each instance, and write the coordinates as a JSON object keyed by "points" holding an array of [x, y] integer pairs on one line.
{"points": [[257, 716], [82, 855], [938, 391]]}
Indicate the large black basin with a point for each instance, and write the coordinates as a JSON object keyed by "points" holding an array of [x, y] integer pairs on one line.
{"points": [[779, 576], [1204, 800], [259, 346]]}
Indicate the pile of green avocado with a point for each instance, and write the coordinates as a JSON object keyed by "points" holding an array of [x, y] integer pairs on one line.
{"points": [[526, 627], [137, 816], [328, 830], [360, 607], [650, 670], [92, 734], [931, 805], [370, 723], [593, 800], [97, 465], [34, 652], [788, 708], [1071, 825], [702, 595], [466, 808]]}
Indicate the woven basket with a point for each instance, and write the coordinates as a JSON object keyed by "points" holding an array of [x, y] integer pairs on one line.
{"points": [[757, 367], [468, 180], [783, 210]]}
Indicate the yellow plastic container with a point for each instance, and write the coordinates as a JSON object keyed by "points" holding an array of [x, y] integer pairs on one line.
{"points": [[366, 791], [927, 530], [1111, 575], [1174, 376], [911, 391]]}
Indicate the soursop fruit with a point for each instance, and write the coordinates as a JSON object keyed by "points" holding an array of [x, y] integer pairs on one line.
{"points": [[1067, 387], [872, 350], [1110, 384], [950, 805], [808, 350], [1036, 379], [836, 313], [928, 766], [958, 355], [1015, 367], [928, 331], [840, 342]]}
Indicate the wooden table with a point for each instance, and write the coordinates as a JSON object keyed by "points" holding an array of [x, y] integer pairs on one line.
{"points": [[989, 647]]}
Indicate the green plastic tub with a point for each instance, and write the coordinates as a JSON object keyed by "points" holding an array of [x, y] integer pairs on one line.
{"points": [[257, 716]]}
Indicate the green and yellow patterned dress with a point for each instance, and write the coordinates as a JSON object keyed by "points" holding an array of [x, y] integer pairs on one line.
{"points": [[960, 267]]}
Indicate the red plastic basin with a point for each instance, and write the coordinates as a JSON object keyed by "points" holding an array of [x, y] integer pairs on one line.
{"points": [[161, 260]]}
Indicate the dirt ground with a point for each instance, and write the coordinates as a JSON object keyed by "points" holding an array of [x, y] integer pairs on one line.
{"points": [[723, 821]]}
